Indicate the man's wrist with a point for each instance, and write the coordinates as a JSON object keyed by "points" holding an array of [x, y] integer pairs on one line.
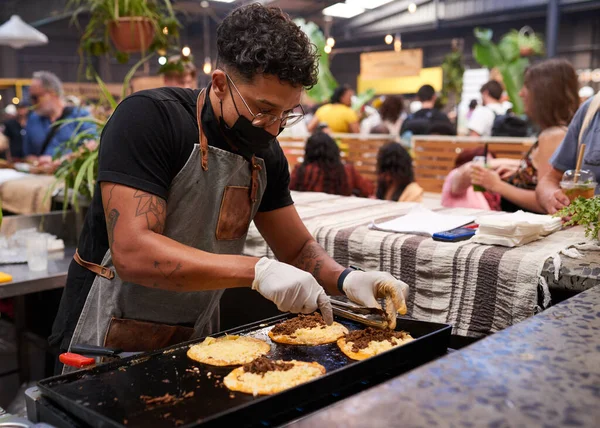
{"points": [[341, 278]]}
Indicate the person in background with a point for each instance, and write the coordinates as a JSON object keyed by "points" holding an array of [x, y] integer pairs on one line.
{"points": [[395, 175], [549, 193], [72, 101], [338, 115], [585, 93], [392, 115], [550, 96], [10, 112], [14, 130], [420, 122], [188, 78], [324, 171], [43, 137], [472, 107], [458, 189], [370, 115], [482, 120]]}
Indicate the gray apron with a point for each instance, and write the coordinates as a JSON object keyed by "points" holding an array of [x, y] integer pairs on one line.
{"points": [[210, 204]]}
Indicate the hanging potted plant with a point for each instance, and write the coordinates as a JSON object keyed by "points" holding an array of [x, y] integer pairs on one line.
{"points": [[131, 25]]}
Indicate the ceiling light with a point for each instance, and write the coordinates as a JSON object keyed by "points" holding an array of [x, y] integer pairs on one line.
{"points": [[398, 43], [224, 1], [162, 60], [207, 68], [389, 39], [412, 8], [367, 4], [327, 49], [186, 51], [330, 41], [15, 100], [343, 10]]}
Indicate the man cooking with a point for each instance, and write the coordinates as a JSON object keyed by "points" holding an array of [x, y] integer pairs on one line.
{"points": [[181, 174]]}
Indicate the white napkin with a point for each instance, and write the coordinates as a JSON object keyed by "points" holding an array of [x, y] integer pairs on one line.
{"points": [[519, 223], [422, 221], [514, 229]]}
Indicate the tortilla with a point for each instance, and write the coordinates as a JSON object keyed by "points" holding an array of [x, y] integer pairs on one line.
{"points": [[268, 381], [307, 330], [228, 350], [361, 350]]}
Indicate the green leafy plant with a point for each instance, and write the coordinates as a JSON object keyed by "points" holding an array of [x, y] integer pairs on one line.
{"points": [[324, 88], [95, 40], [453, 70], [584, 212], [509, 57], [79, 156]]}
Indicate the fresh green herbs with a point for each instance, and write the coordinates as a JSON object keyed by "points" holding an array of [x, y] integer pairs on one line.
{"points": [[583, 212]]}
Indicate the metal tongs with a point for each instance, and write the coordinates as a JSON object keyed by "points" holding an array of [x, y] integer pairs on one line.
{"points": [[371, 317]]}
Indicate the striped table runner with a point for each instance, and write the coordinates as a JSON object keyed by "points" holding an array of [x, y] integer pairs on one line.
{"points": [[478, 289]]}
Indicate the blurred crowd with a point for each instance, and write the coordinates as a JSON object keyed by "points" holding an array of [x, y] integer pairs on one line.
{"points": [[39, 131]]}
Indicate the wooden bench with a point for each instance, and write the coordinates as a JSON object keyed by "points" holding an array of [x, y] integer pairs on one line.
{"points": [[358, 150], [434, 156]]}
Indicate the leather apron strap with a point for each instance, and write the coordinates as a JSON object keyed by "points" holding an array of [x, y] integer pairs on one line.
{"points": [[102, 271], [254, 166]]}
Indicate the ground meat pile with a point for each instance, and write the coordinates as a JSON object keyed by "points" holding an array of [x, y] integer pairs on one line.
{"points": [[361, 338], [290, 326], [262, 365]]}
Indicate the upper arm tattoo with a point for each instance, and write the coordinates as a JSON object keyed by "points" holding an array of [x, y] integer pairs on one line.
{"points": [[153, 208], [112, 216]]}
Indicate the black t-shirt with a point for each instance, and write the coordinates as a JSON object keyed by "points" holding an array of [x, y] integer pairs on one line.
{"points": [[146, 142], [14, 132]]}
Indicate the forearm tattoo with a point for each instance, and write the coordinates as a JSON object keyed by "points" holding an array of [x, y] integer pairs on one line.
{"points": [[311, 259], [153, 208], [168, 271]]}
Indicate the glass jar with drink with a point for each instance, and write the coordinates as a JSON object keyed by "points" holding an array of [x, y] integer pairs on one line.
{"points": [[482, 162], [578, 184]]}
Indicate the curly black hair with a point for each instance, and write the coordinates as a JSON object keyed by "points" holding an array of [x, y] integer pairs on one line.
{"points": [[321, 150], [394, 160], [255, 39]]}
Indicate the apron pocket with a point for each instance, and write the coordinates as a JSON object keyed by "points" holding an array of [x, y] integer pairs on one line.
{"points": [[235, 213], [144, 336]]}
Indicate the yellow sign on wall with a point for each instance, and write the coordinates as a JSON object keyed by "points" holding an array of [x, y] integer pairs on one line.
{"points": [[381, 65], [405, 84]]}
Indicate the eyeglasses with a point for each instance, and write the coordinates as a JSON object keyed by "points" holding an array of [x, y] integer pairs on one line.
{"points": [[34, 99], [262, 120]]}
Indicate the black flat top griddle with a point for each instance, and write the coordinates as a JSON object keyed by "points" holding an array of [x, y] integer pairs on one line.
{"points": [[166, 388]]}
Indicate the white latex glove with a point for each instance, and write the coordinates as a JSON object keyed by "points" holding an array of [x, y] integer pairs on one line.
{"points": [[291, 289], [364, 288]]}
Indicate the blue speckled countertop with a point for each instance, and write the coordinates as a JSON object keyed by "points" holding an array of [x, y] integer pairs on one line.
{"points": [[542, 372]]}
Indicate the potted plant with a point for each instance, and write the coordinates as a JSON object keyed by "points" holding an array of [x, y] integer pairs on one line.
{"points": [[78, 169], [584, 212], [131, 25], [453, 70], [509, 57]]}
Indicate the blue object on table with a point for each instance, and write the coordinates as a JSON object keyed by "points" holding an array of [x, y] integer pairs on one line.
{"points": [[454, 235]]}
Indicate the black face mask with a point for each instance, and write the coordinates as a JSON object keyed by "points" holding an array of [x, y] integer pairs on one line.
{"points": [[247, 138]]}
